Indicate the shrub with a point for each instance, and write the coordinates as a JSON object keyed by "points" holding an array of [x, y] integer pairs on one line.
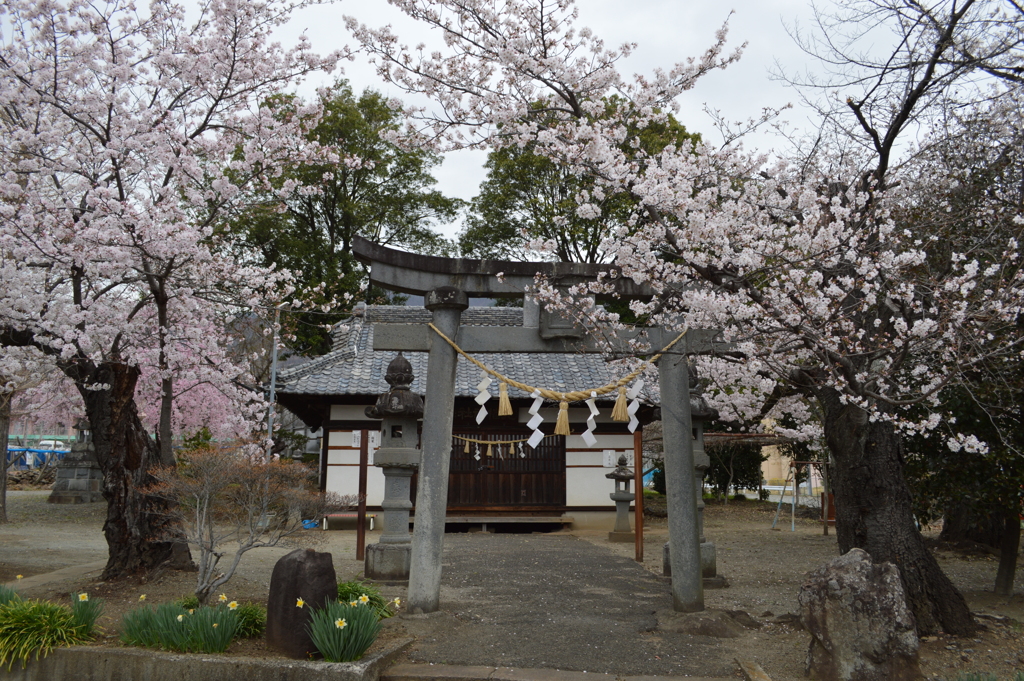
{"points": [[34, 628], [223, 499], [252, 620], [343, 632], [355, 590], [169, 626]]}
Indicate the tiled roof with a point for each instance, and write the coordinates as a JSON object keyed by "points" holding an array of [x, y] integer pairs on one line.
{"points": [[353, 368]]}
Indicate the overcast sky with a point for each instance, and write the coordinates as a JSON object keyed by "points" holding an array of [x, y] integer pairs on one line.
{"points": [[666, 31]]}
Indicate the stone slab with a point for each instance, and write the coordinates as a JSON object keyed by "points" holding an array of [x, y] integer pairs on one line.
{"points": [[85, 663], [443, 672]]}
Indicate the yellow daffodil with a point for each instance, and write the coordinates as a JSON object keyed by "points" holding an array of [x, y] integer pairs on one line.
{"points": [[353, 603], [364, 599], [232, 605], [191, 610], [83, 597], [214, 625], [299, 602], [222, 598], [142, 597], [340, 623], [181, 618], [397, 602], [20, 577]]}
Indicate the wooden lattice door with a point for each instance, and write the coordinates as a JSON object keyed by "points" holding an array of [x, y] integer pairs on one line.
{"points": [[506, 480]]}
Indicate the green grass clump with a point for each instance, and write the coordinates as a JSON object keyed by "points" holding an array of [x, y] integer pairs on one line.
{"points": [[190, 602], [84, 613], [31, 628], [343, 632], [7, 594], [252, 620], [171, 627], [355, 590]]}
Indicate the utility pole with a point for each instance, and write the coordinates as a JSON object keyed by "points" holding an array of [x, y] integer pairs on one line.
{"points": [[273, 384]]}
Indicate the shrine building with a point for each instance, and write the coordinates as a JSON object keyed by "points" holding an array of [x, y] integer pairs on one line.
{"points": [[562, 477]]}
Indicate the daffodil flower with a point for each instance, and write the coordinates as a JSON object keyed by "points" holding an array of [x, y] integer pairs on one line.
{"points": [[222, 598], [364, 599], [340, 623], [83, 597], [398, 601], [299, 602], [214, 625], [191, 610], [20, 577], [353, 603], [142, 597], [181, 618], [232, 605]]}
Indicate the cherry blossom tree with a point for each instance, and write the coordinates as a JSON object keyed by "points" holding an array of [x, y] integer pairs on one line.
{"points": [[810, 264], [130, 137]]}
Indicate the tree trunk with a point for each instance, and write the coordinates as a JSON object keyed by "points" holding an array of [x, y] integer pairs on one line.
{"points": [[140, 535], [962, 522], [873, 512], [5, 429], [1008, 550]]}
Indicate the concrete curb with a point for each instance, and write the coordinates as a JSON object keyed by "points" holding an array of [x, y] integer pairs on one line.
{"points": [[443, 672], [85, 663], [73, 572]]}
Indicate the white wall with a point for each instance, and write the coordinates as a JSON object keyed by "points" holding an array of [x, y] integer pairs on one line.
{"points": [[585, 468], [343, 468]]}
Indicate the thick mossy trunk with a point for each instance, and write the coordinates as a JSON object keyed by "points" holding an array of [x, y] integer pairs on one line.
{"points": [[873, 512], [140, 536]]}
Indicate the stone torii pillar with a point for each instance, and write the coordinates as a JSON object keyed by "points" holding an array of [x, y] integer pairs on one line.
{"points": [[446, 284], [446, 305]]}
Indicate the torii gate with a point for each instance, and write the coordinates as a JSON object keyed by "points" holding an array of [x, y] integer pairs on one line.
{"points": [[446, 285]]}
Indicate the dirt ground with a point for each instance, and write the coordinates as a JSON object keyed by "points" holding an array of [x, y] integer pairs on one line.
{"points": [[764, 568]]}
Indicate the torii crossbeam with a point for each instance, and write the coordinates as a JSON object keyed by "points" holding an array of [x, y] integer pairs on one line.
{"points": [[446, 285]]}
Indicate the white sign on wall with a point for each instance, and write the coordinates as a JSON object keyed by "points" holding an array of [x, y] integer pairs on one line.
{"points": [[611, 458]]}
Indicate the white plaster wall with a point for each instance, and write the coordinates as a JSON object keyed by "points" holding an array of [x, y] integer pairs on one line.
{"points": [[345, 480], [348, 412], [585, 468], [343, 469]]}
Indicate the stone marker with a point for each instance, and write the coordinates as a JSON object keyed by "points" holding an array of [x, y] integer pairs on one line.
{"points": [[305, 574], [861, 628]]}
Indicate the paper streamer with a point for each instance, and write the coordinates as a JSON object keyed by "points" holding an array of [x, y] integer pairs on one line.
{"points": [[588, 434], [634, 406]]}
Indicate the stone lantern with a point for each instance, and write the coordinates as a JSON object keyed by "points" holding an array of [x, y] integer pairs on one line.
{"points": [[79, 479], [623, 476], [701, 413], [398, 456]]}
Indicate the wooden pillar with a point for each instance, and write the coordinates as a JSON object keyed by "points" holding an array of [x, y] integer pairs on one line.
{"points": [[638, 486]]}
